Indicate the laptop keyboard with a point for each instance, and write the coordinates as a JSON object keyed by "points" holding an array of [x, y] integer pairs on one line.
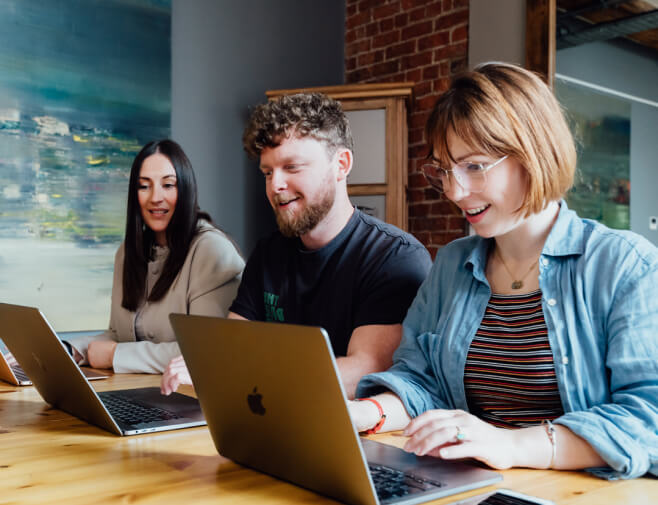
{"points": [[19, 373], [391, 483], [128, 411]]}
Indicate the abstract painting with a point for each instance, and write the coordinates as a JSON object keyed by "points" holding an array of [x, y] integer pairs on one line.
{"points": [[83, 85]]}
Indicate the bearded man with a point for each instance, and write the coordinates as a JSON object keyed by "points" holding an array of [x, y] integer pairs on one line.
{"points": [[329, 264]]}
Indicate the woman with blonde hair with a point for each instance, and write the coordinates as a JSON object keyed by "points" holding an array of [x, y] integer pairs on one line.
{"points": [[532, 343]]}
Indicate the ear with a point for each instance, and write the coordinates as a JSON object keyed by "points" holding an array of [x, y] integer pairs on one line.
{"points": [[344, 159]]}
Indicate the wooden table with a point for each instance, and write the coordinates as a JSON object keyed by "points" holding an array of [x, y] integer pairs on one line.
{"points": [[47, 456]]}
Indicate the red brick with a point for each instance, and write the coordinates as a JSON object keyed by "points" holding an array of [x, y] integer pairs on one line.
{"points": [[360, 32], [451, 51], [418, 209], [422, 236], [431, 72], [350, 10], [385, 11], [386, 39], [416, 137], [388, 67], [435, 9], [431, 194], [417, 60], [444, 68], [460, 3], [357, 19], [425, 103], [456, 223], [350, 64], [386, 25], [418, 151], [459, 34], [413, 75], [366, 59], [416, 195], [420, 224], [445, 208], [451, 20], [401, 20], [417, 14], [403, 48], [379, 56], [350, 36], [364, 5], [433, 41], [416, 30], [432, 249], [372, 29], [357, 47], [440, 85], [447, 5], [422, 88], [360, 75], [418, 119], [417, 180], [410, 4]]}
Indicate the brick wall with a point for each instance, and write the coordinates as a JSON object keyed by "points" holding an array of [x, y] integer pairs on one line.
{"points": [[424, 41]]}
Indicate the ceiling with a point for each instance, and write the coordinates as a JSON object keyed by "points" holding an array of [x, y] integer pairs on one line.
{"points": [[583, 21]]}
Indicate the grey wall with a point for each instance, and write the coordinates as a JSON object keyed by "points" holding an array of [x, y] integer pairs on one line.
{"points": [[496, 31], [225, 55], [629, 69]]}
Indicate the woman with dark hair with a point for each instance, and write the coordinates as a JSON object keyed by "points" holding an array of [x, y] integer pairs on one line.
{"points": [[533, 343], [173, 259]]}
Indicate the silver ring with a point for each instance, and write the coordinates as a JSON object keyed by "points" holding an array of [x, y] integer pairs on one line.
{"points": [[460, 436]]}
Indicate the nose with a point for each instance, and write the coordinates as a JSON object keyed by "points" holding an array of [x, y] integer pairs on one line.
{"points": [[278, 181], [456, 191], [156, 194]]}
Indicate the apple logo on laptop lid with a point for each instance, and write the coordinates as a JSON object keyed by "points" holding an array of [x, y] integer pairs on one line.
{"points": [[255, 401]]}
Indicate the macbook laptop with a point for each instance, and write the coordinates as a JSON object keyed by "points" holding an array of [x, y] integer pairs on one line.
{"points": [[60, 382], [14, 374], [273, 401]]}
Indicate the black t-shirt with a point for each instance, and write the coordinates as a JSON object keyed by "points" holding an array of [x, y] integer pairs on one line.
{"points": [[368, 274]]}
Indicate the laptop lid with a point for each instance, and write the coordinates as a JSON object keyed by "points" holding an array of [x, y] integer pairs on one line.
{"points": [[61, 383], [273, 401]]}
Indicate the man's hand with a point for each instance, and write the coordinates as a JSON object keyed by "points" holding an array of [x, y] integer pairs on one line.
{"points": [[174, 375], [101, 353]]}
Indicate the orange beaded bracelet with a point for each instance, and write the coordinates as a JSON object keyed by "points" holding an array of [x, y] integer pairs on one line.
{"points": [[379, 424]]}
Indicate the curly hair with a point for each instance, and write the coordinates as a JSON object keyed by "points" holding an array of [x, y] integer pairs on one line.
{"points": [[304, 115]]}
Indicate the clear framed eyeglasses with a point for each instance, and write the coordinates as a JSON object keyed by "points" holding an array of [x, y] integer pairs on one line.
{"points": [[469, 175]]}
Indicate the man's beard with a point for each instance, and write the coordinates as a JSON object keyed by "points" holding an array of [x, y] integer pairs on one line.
{"points": [[308, 217]]}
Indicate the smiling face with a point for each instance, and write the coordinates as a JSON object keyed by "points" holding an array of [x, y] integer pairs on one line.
{"points": [[157, 193], [494, 211], [300, 183]]}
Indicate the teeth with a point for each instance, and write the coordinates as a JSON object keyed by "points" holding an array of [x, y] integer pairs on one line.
{"points": [[472, 212]]}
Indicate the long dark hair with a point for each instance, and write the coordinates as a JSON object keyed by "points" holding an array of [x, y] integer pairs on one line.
{"points": [[140, 238]]}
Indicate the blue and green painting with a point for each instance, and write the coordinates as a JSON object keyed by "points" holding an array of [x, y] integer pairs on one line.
{"points": [[83, 85], [601, 124]]}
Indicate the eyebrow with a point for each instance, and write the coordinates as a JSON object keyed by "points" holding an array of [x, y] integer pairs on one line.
{"points": [[164, 177]]}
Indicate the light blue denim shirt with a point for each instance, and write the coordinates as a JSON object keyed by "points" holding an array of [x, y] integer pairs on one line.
{"points": [[600, 301]]}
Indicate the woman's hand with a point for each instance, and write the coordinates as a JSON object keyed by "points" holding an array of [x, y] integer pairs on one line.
{"points": [[454, 434], [174, 375], [101, 353]]}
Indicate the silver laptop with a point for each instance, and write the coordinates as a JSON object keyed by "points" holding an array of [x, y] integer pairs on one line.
{"points": [[61, 383], [273, 401], [12, 372]]}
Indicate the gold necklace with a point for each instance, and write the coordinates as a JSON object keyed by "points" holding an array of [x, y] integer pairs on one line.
{"points": [[516, 284]]}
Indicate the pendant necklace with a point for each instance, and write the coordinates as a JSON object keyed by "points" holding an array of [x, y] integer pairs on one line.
{"points": [[516, 283]]}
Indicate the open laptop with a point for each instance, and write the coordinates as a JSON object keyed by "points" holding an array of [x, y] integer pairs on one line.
{"points": [[14, 374], [60, 382], [273, 401]]}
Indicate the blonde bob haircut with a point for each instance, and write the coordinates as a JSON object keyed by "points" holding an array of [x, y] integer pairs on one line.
{"points": [[501, 109]]}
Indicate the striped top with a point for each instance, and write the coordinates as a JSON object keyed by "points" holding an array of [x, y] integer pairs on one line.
{"points": [[509, 374]]}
